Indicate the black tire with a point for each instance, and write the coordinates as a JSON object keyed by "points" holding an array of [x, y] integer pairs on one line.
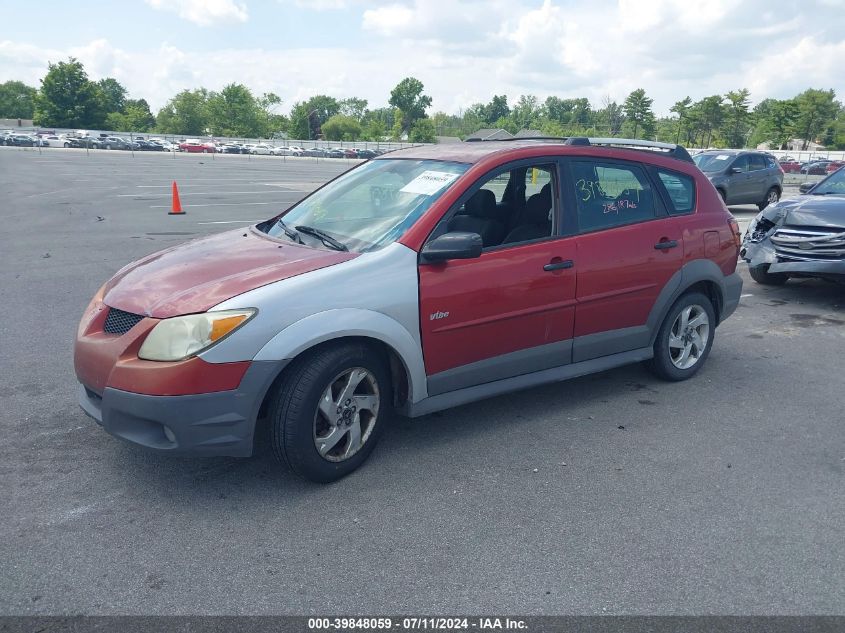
{"points": [[772, 197], [294, 409], [761, 275], [723, 195], [661, 365]]}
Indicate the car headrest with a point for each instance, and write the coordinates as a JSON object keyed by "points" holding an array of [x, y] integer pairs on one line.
{"points": [[537, 207], [482, 204]]}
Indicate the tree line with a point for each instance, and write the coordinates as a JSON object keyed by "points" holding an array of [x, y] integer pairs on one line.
{"points": [[67, 98]]}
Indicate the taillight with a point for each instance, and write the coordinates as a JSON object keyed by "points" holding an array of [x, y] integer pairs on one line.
{"points": [[734, 226]]}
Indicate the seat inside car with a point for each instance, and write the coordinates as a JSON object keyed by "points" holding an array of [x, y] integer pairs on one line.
{"points": [[536, 220], [481, 216]]}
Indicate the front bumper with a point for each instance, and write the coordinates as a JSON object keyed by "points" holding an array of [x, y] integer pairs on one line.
{"points": [[763, 254], [219, 423]]}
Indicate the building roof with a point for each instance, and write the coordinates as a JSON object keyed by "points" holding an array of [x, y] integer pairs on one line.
{"points": [[528, 133], [447, 139], [489, 134]]}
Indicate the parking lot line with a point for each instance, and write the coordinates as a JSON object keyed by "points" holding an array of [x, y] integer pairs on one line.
{"points": [[222, 204], [231, 222], [202, 193]]}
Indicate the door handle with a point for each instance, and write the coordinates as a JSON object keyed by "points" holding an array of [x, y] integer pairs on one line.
{"points": [[665, 245], [560, 265]]}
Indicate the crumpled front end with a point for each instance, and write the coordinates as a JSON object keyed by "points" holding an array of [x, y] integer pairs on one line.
{"points": [[779, 245]]}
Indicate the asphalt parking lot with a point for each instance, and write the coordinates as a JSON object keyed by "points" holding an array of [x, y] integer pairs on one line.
{"points": [[614, 493]]}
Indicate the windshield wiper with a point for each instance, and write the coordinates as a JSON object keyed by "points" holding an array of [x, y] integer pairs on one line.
{"points": [[289, 231], [324, 237]]}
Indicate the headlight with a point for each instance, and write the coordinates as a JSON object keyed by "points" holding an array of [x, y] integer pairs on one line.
{"points": [[180, 337]]}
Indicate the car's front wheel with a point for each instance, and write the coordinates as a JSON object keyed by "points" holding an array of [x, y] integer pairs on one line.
{"points": [[330, 410], [761, 275], [684, 340], [772, 197]]}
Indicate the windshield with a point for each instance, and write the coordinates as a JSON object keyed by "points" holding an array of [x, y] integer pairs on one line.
{"points": [[710, 163], [832, 185], [371, 206]]}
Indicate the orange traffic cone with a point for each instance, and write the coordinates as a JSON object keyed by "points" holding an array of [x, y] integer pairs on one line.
{"points": [[176, 206]]}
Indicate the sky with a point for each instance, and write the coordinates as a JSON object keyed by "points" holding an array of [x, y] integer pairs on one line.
{"points": [[464, 51]]}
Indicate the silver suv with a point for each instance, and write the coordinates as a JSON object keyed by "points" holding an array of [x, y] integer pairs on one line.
{"points": [[743, 177]]}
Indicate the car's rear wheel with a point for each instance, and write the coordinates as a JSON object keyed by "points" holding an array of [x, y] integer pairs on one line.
{"points": [[723, 195], [329, 411], [684, 340], [761, 275], [772, 197]]}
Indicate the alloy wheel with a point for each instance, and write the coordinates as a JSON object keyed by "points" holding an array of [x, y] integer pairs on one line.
{"points": [[346, 414], [689, 336]]}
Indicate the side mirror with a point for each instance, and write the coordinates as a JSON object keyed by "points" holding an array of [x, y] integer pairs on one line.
{"points": [[454, 245], [734, 170], [806, 186]]}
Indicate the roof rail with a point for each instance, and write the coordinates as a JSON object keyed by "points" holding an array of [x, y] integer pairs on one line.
{"points": [[673, 150]]}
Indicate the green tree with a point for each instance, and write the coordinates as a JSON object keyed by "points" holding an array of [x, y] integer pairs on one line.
{"points": [[525, 112], [737, 119], [422, 131], [234, 111], [341, 127], [638, 113], [136, 117], [298, 127], [705, 117], [113, 95], [67, 98], [680, 108], [816, 111], [353, 107], [611, 117], [186, 113], [774, 122], [497, 109], [17, 100], [274, 124], [409, 98], [323, 107]]}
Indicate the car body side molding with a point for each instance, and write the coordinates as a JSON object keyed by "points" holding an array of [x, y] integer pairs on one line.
{"points": [[516, 383]]}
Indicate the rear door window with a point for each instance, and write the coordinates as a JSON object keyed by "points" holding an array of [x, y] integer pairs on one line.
{"points": [[741, 163], [611, 194]]}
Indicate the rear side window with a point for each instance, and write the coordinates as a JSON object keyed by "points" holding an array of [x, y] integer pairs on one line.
{"points": [[757, 162], [611, 194], [681, 190]]}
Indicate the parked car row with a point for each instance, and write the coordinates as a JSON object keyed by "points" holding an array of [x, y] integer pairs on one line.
{"points": [[266, 149], [193, 145], [814, 166]]}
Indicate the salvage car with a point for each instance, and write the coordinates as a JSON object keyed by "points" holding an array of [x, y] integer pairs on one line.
{"points": [[743, 177], [428, 278], [197, 146], [800, 237]]}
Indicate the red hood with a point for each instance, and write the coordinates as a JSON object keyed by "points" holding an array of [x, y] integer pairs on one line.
{"points": [[195, 276]]}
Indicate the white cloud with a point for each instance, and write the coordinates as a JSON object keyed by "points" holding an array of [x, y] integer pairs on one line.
{"points": [[389, 20], [466, 52], [321, 5], [204, 12]]}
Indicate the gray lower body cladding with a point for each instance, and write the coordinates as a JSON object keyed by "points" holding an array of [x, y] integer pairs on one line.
{"points": [[212, 424]]}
